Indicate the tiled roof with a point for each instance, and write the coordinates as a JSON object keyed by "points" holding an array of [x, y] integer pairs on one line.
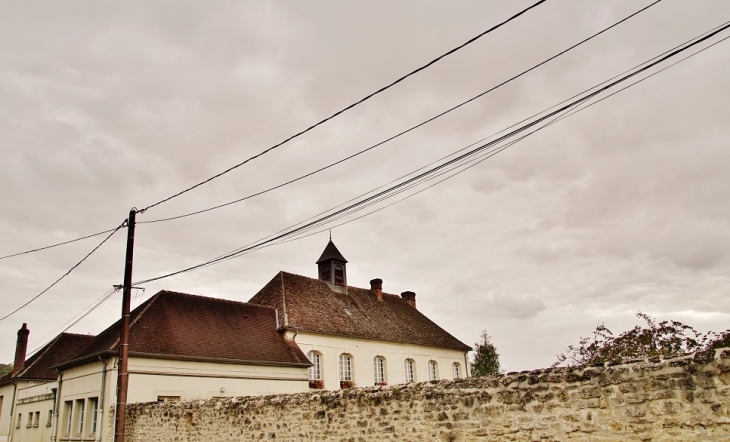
{"points": [[331, 252], [194, 327], [310, 305], [59, 349]]}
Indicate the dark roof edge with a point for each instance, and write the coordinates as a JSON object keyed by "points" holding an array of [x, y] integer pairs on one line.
{"points": [[220, 360], [464, 348], [16, 379], [113, 353], [84, 359]]}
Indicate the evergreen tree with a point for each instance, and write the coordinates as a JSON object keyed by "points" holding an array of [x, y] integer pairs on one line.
{"points": [[486, 358]]}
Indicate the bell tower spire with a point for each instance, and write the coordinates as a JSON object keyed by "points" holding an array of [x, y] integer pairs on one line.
{"points": [[332, 268]]}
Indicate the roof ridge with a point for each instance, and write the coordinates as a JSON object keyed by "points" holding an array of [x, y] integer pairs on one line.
{"points": [[211, 298], [324, 282], [38, 355], [76, 334], [151, 301]]}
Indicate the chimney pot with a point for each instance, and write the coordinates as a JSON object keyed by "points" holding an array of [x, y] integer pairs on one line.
{"points": [[376, 285], [410, 298], [20, 349]]}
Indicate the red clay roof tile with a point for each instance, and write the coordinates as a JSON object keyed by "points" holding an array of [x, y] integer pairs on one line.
{"points": [[172, 324], [310, 305]]}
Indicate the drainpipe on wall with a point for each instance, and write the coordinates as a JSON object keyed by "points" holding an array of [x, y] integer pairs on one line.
{"points": [[12, 412], [56, 408], [100, 411], [466, 365], [53, 410]]}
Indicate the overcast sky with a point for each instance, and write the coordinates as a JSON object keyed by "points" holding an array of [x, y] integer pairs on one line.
{"points": [[621, 208]]}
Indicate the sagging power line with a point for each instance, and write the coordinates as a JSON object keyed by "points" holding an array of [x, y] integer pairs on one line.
{"points": [[410, 129], [481, 148], [345, 109]]}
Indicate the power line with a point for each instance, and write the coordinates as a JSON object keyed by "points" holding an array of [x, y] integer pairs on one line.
{"points": [[481, 148], [64, 275], [278, 186], [371, 147], [362, 100], [471, 163], [68, 324], [58, 244]]}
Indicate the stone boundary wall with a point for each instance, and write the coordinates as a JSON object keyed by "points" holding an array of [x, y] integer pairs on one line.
{"points": [[681, 399]]}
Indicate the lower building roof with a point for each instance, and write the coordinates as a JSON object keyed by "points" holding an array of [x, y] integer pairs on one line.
{"points": [[190, 327]]}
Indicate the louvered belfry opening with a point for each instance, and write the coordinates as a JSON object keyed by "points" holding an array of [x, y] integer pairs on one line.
{"points": [[332, 268]]}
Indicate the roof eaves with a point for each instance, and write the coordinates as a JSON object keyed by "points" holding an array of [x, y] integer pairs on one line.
{"points": [[84, 359], [220, 360], [464, 348]]}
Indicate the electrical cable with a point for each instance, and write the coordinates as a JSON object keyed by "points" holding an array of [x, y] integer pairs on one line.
{"points": [[362, 100], [56, 245], [412, 128], [65, 274], [68, 324], [486, 156], [435, 169]]}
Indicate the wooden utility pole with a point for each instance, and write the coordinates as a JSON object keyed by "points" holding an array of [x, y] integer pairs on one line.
{"points": [[123, 375]]}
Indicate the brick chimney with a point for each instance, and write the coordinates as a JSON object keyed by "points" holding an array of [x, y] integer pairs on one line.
{"points": [[376, 285], [20, 349], [410, 298]]}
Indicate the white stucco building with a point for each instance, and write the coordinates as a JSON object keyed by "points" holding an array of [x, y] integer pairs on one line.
{"points": [[360, 337], [296, 334]]}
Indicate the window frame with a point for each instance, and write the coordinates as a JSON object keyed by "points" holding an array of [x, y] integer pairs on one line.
{"points": [[433, 370], [345, 370], [30, 420], [379, 371], [93, 414], [456, 370], [81, 406], [36, 419], [314, 372], [68, 417], [409, 370]]}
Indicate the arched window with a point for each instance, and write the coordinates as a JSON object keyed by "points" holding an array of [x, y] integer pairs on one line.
{"points": [[456, 370], [315, 371], [433, 371], [410, 370], [345, 368], [379, 370], [339, 275]]}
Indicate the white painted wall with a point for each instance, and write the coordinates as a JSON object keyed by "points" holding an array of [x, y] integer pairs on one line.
{"points": [[32, 400], [364, 351], [152, 378], [30, 396]]}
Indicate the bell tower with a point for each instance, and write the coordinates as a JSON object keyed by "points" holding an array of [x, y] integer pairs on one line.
{"points": [[332, 268]]}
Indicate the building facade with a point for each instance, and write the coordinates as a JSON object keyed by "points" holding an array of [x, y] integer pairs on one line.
{"points": [[296, 334]]}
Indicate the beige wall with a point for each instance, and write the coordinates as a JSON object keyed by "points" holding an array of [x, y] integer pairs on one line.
{"points": [[35, 404], [6, 393], [364, 351], [153, 379], [8, 413], [682, 399]]}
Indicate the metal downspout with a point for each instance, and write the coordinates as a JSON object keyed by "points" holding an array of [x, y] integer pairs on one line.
{"points": [[57, 407], [100, 411], [12, 412], [467, 371]]}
